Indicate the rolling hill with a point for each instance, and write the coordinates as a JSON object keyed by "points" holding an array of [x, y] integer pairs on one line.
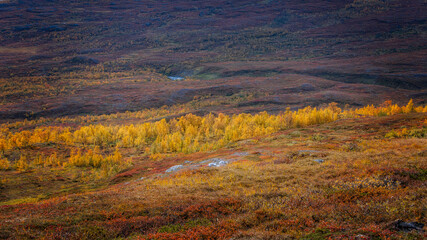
{"points": [[61, 56]]}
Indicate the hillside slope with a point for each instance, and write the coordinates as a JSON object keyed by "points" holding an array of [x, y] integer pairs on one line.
{"points": [[57, 52], [339, 180], [311, 174]]}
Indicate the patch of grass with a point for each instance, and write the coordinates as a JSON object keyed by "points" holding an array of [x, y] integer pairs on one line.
{"points": [[21, 201]]}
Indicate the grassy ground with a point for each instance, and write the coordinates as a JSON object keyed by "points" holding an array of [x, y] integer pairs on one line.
{"points": [[336, 180]]}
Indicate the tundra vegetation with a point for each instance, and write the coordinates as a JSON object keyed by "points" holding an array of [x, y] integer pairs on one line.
{"points": [[268, 135], [313, 173]]}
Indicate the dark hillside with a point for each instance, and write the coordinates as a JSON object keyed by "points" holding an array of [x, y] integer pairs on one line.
{"points": [[58, 48]]}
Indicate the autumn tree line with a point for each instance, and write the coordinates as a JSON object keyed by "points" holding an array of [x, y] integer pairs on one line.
{"points": [[186, 134]]}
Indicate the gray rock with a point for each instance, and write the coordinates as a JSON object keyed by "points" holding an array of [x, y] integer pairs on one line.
{"points": [[211, 160], [319, 160], [174, 168], [407, 226], [216, 162]]}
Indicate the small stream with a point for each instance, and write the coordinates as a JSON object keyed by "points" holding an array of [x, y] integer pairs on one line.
{"points": [[175, 78]]}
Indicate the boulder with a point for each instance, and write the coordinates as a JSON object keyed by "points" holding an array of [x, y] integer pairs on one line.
{"points": [[216, 162], [174, 168], [401, 225]]}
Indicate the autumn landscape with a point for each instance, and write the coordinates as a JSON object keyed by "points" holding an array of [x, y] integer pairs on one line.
{"points": [[188, 119]]}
